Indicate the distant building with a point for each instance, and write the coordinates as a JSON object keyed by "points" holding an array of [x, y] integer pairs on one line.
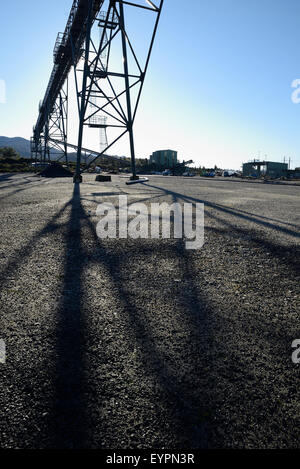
{"points": [[265, 168], [165, 158]]}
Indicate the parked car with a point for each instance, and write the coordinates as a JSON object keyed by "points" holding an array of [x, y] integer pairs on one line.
{"points": [[228, 174]]}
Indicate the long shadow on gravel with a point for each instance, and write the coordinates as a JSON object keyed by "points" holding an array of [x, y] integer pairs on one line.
{"points": [[176, 382], [12, 184], [229, 211], [173, 339], [69, 421], [263, 327], [178, 416], [5, 177], [66, 424], [22, 254], [28, 185]]}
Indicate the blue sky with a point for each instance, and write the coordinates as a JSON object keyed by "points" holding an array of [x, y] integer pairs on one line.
{"points": [[219, 83]]}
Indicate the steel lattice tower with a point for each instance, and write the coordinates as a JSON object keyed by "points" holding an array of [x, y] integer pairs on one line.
{"points": [[107, 99]]}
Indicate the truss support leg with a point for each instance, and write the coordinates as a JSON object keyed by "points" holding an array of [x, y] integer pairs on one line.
{"points": [[77, 176], [45, 152], [129, 112], [64, 124]]}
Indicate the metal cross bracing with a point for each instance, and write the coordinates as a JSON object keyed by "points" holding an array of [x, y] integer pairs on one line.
{"points": [[67, 52], [55, 131], [101, 120], [107, 97], [57, 126]]}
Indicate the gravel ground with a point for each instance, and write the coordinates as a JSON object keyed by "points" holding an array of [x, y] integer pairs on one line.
{"points": [[124, 344]]}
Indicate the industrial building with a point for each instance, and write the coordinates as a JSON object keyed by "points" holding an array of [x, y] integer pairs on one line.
{"points": [[265, 168], [164, 158]]}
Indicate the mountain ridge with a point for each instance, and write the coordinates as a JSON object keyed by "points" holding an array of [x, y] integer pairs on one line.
{"points": [[22, 146]]}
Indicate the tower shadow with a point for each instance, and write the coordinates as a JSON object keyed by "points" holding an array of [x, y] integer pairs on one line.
{"points": [[69, 423]]}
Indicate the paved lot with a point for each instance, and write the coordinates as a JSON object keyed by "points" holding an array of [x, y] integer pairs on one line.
{"points": [[141, 343]]}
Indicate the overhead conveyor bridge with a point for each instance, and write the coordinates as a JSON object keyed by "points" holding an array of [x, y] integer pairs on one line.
{"points": [[106, 98], [67, 50]]}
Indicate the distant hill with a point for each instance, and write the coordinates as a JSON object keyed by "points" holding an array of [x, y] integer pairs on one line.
{"points": [[21, 145]]}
